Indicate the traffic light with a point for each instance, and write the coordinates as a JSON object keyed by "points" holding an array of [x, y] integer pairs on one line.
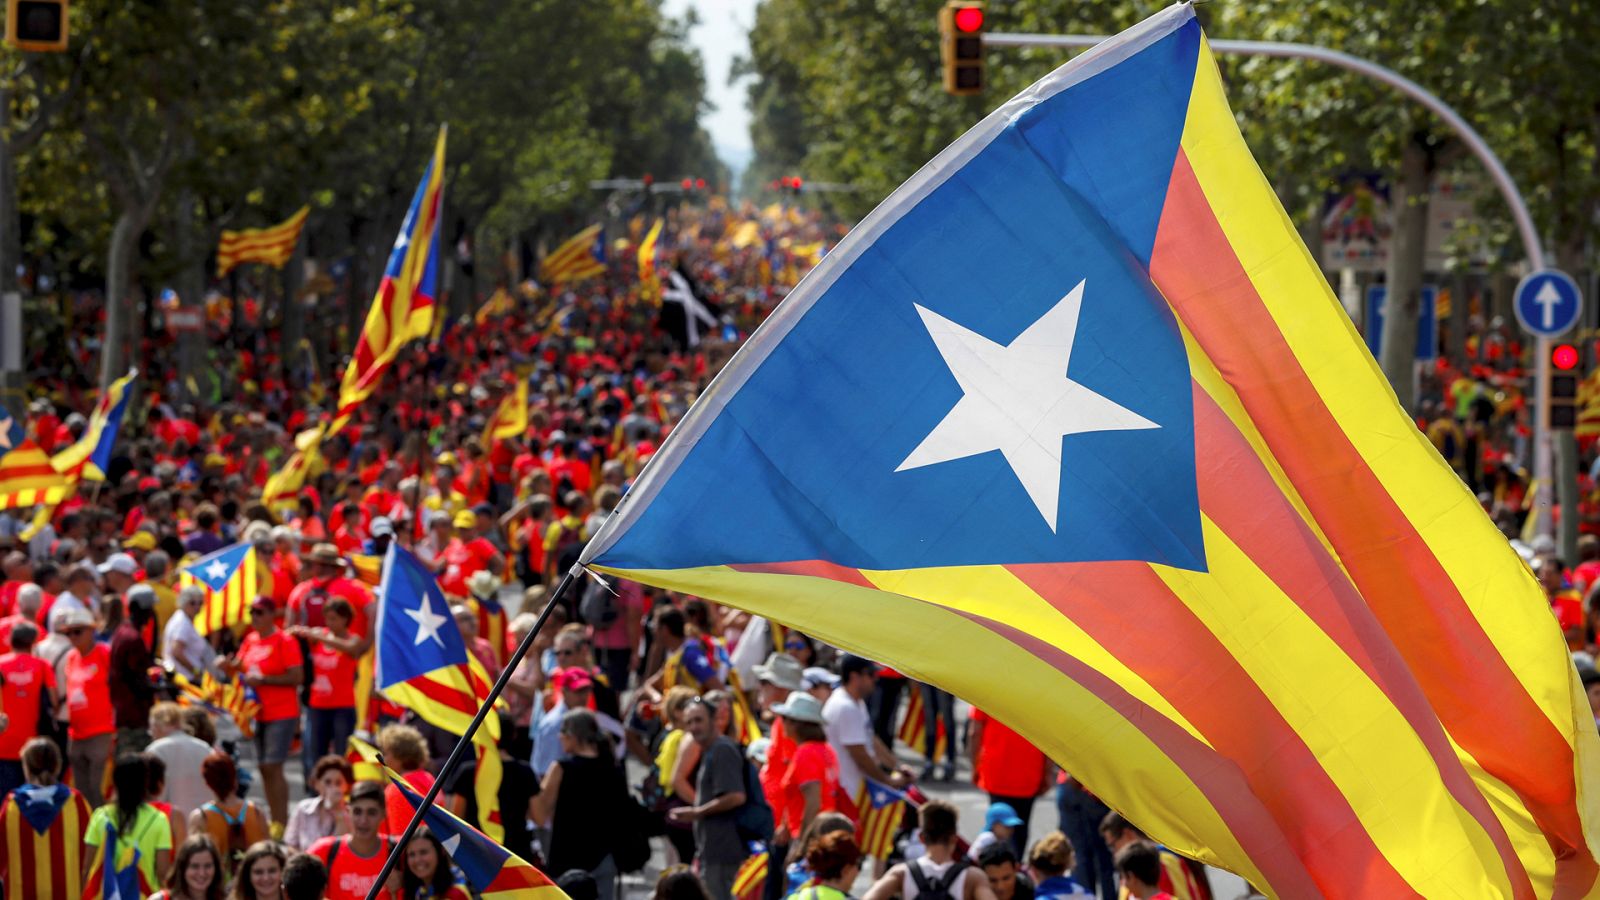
{"points": [[1563, 397], [37, 25], [961, 47]]}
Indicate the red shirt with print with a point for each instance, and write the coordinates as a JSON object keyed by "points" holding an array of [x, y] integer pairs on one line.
{"points": [[333, 679], [25, 678], [89, 693], [274, 654]]}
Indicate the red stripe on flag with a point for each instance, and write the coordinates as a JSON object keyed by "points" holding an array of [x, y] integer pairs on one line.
{"points": [[814, 568], [1467, 681], [1240, 496], [1227, 706], [1218, 779]]}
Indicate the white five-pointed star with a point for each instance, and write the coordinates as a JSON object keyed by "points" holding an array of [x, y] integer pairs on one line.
{"points": [[1018, 399], [452, 843], [216, 571], [428, 622]]}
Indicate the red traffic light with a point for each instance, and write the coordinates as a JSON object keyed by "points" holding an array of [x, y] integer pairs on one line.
{"points": [[969, 19], [798, 183], [688, 183], [1564, 357], [699, 184]]}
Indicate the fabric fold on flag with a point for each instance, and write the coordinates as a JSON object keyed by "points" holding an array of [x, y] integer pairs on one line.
{"points": [[272, 246], [421, 662], [1079, 383], [404, 306]]}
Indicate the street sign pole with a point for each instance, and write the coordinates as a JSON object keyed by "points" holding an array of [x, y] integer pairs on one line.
{"points": [[1543, 453], [1543, 446]]}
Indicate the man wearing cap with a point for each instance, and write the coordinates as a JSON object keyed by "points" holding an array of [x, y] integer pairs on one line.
{"points": [[467, 553], [849, 727], [118, 573], [819, 682], [575, 687], [132, 694], [91, 721], [270, 661], [326, 580], [379, 537]]}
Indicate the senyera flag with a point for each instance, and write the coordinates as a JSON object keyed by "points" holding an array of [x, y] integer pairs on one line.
{"points": [[404, 306], [1072, 426]]}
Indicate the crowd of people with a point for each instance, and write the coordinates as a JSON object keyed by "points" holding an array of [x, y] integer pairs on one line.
{"points": [[643, 724]]}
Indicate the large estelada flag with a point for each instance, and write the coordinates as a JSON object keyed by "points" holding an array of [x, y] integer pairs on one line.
{"points": [[89, 456], [1071, 425], [403, 308], [272, 246]]}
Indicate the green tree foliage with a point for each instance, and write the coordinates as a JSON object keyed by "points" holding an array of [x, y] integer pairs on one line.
{"points": [[171, 121]]}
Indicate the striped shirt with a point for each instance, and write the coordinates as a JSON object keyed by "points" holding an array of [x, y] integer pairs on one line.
{"points": [[42, 832]]}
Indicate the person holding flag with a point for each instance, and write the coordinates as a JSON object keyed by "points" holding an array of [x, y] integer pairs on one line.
{"points": [[43, 818]]}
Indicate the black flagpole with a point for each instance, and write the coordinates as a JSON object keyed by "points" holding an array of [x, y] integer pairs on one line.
{"points": [[461, 746]]}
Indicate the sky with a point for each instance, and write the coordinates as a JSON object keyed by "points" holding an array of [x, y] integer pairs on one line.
{"points": [[722, 35]]}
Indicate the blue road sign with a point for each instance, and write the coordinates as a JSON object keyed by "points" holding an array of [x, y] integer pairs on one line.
{"points": [[1548, 303], [1427, 320]]}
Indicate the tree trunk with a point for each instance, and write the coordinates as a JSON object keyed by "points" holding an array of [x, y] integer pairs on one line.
{"points": [[114, 355], [191, 292], [1461, 285], [1404, 281]]}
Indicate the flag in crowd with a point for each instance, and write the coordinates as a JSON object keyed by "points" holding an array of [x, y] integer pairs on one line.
{"points": [[43, 827], [422, 663], [510, 418], [1126, 403], [649, 277], [750, 881], [913, 728], [404, 306], [685, 312], [494, 872], [499, 304], [88, 457], [231, 578], [284, 487], [27, 477], [881, 808], [273, 246], [115, 873], [581, 256]]}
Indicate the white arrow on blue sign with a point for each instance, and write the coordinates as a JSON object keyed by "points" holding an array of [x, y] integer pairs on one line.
{"points": [[1548, 303]]}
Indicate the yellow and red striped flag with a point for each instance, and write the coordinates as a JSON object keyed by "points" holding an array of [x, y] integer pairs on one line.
{"points": [[1078, 412], [404, 306], [272, 246], [500, 303], [581, 256], [365, 760], [27, 478], [881, 809], [510, 419], [751, 879], [283, 488], [649, 277], [231, 577], [913, 728]]}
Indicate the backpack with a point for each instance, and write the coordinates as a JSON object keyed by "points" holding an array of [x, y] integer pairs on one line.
{"points": [[754, 819], [599, 607], [936, 890]]}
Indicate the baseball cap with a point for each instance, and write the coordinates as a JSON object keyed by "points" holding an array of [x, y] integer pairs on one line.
{"points": [[264, 602], [141, 540], [817, 676], [465, 519], [572, 678], [121, 563], [382, 527], [74, 618], [1001, 814], [142, 596]]}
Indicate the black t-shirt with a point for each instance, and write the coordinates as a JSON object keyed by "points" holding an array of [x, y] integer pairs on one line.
{"points": [[517, 786]]}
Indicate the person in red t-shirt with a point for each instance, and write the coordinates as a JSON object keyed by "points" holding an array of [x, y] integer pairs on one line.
{"points": [[468, 552], [1139, 864], [19, 571], [24, 678], [811, 783], [270, 661], [335, 655], [91, 724], [1006, 765], [1565, 603], [325, 580], [407, 752], [354, 860]]}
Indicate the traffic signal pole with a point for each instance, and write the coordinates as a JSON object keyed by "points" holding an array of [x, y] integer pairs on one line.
{"points": [[1543, 444]]}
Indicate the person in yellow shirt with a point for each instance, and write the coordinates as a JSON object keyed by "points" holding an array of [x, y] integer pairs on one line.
{"points": [[160, 575], [565, 537]]}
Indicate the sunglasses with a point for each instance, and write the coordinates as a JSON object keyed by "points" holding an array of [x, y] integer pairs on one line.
{"points": [[259, 612]]}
